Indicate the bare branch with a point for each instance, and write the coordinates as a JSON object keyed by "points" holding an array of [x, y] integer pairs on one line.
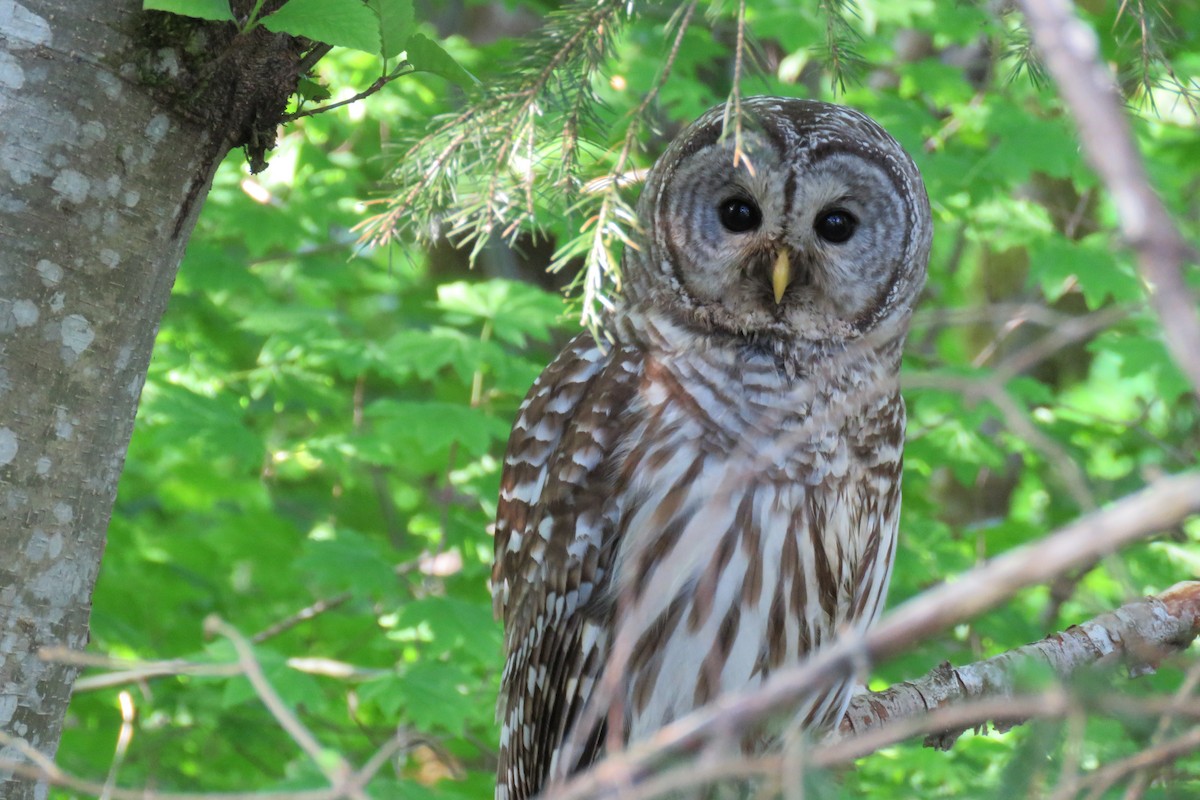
{"points": [[303, 615], [40, 768], [125, 671], [1153, 756], [1183, 694], [1064, 334], [334, 767], [403, 68], [1138, 633], [782, 771], [1066, 470], [1071, 55], [43, 769], [1161, 505], [124, 737]]}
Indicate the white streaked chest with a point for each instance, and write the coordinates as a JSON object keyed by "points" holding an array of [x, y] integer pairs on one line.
{"points": [[744, 538]]}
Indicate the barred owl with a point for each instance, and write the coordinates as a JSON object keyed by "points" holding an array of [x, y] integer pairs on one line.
{"points": [[713, 494]]}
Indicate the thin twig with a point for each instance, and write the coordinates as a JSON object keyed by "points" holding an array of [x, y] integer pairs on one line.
{"points": [[730, 764], [124, 737], [998, 313], [334, 767], [1138, 633], [1100, 780], [1016, 420], [303, 615], [40, 768], [125, 671], [312, 57], [379, 83], [1075, 329], [1141, 779]]}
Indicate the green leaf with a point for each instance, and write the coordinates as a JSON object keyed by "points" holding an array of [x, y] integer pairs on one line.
{"points": [[426, 353], [427, 55], [436, 696], [458, 630], [395, 25], [430, 428], [1090, 262], [217, 10], [347, 560], [292, 686], [516, 310], [1139, 355], [347, 23], [214, 426], [311, 90]]}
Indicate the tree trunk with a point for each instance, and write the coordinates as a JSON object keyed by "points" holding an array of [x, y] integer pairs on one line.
{"points": [[102, 175]]}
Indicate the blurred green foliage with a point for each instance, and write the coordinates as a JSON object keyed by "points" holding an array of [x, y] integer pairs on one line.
{"points": [[323, 420]]}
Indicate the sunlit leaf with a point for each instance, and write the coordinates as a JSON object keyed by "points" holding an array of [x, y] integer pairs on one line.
{"points": [[217, 10], [427, 55], [348, 23]]}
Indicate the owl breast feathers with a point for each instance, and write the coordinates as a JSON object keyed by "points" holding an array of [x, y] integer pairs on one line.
{"points": [[716, 493]]}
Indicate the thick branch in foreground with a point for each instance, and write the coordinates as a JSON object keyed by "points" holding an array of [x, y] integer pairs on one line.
{"points": [[1138, 633], [1160, 506], [1072, 57]]}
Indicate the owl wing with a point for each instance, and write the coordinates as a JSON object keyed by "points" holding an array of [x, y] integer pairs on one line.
{"points": [[555, 515]]}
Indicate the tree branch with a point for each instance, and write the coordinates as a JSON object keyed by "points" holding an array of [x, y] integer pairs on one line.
{"points": [[1156, 755], [311, 611], [1138, 633], [1162, 505], [403, 68], [42, 769], [1070, 52], [334, 767]]}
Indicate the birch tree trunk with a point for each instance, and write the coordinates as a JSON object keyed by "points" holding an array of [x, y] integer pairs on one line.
{"points": [[101, 181]]}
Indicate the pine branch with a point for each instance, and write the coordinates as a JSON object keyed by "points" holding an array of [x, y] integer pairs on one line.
{"points": [[1151, 22], [615, 216], [839, 51], [477, 174]]}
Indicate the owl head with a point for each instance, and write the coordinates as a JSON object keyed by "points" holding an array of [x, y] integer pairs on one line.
{"points": [[818, 230]]}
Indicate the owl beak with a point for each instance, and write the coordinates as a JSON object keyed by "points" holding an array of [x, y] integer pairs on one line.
{"points": [[781, 275]]}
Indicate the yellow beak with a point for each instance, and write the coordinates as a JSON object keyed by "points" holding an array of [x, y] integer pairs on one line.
{"points": [[781, 275]]}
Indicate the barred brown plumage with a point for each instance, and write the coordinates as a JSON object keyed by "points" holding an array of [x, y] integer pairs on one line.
{"points": [[716, 493]]}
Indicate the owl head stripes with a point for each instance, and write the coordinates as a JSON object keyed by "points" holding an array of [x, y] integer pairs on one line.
{"points": [[800, 159], [715, 494]]}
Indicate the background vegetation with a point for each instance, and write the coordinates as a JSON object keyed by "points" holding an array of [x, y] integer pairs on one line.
{"points": [[316, 457]]}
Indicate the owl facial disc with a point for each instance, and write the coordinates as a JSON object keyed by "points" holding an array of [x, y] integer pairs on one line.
{"points": [[824, 240]]}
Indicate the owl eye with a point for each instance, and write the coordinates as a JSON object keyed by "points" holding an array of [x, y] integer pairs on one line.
{"points": [[739, 215], [836, 225]]}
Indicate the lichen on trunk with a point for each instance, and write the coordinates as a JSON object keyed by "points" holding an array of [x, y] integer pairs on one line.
{"points": [[115, 121]]}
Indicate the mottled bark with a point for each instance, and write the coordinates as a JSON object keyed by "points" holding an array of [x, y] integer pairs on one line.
{"points": [[100, 185], [1138, 634]]}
